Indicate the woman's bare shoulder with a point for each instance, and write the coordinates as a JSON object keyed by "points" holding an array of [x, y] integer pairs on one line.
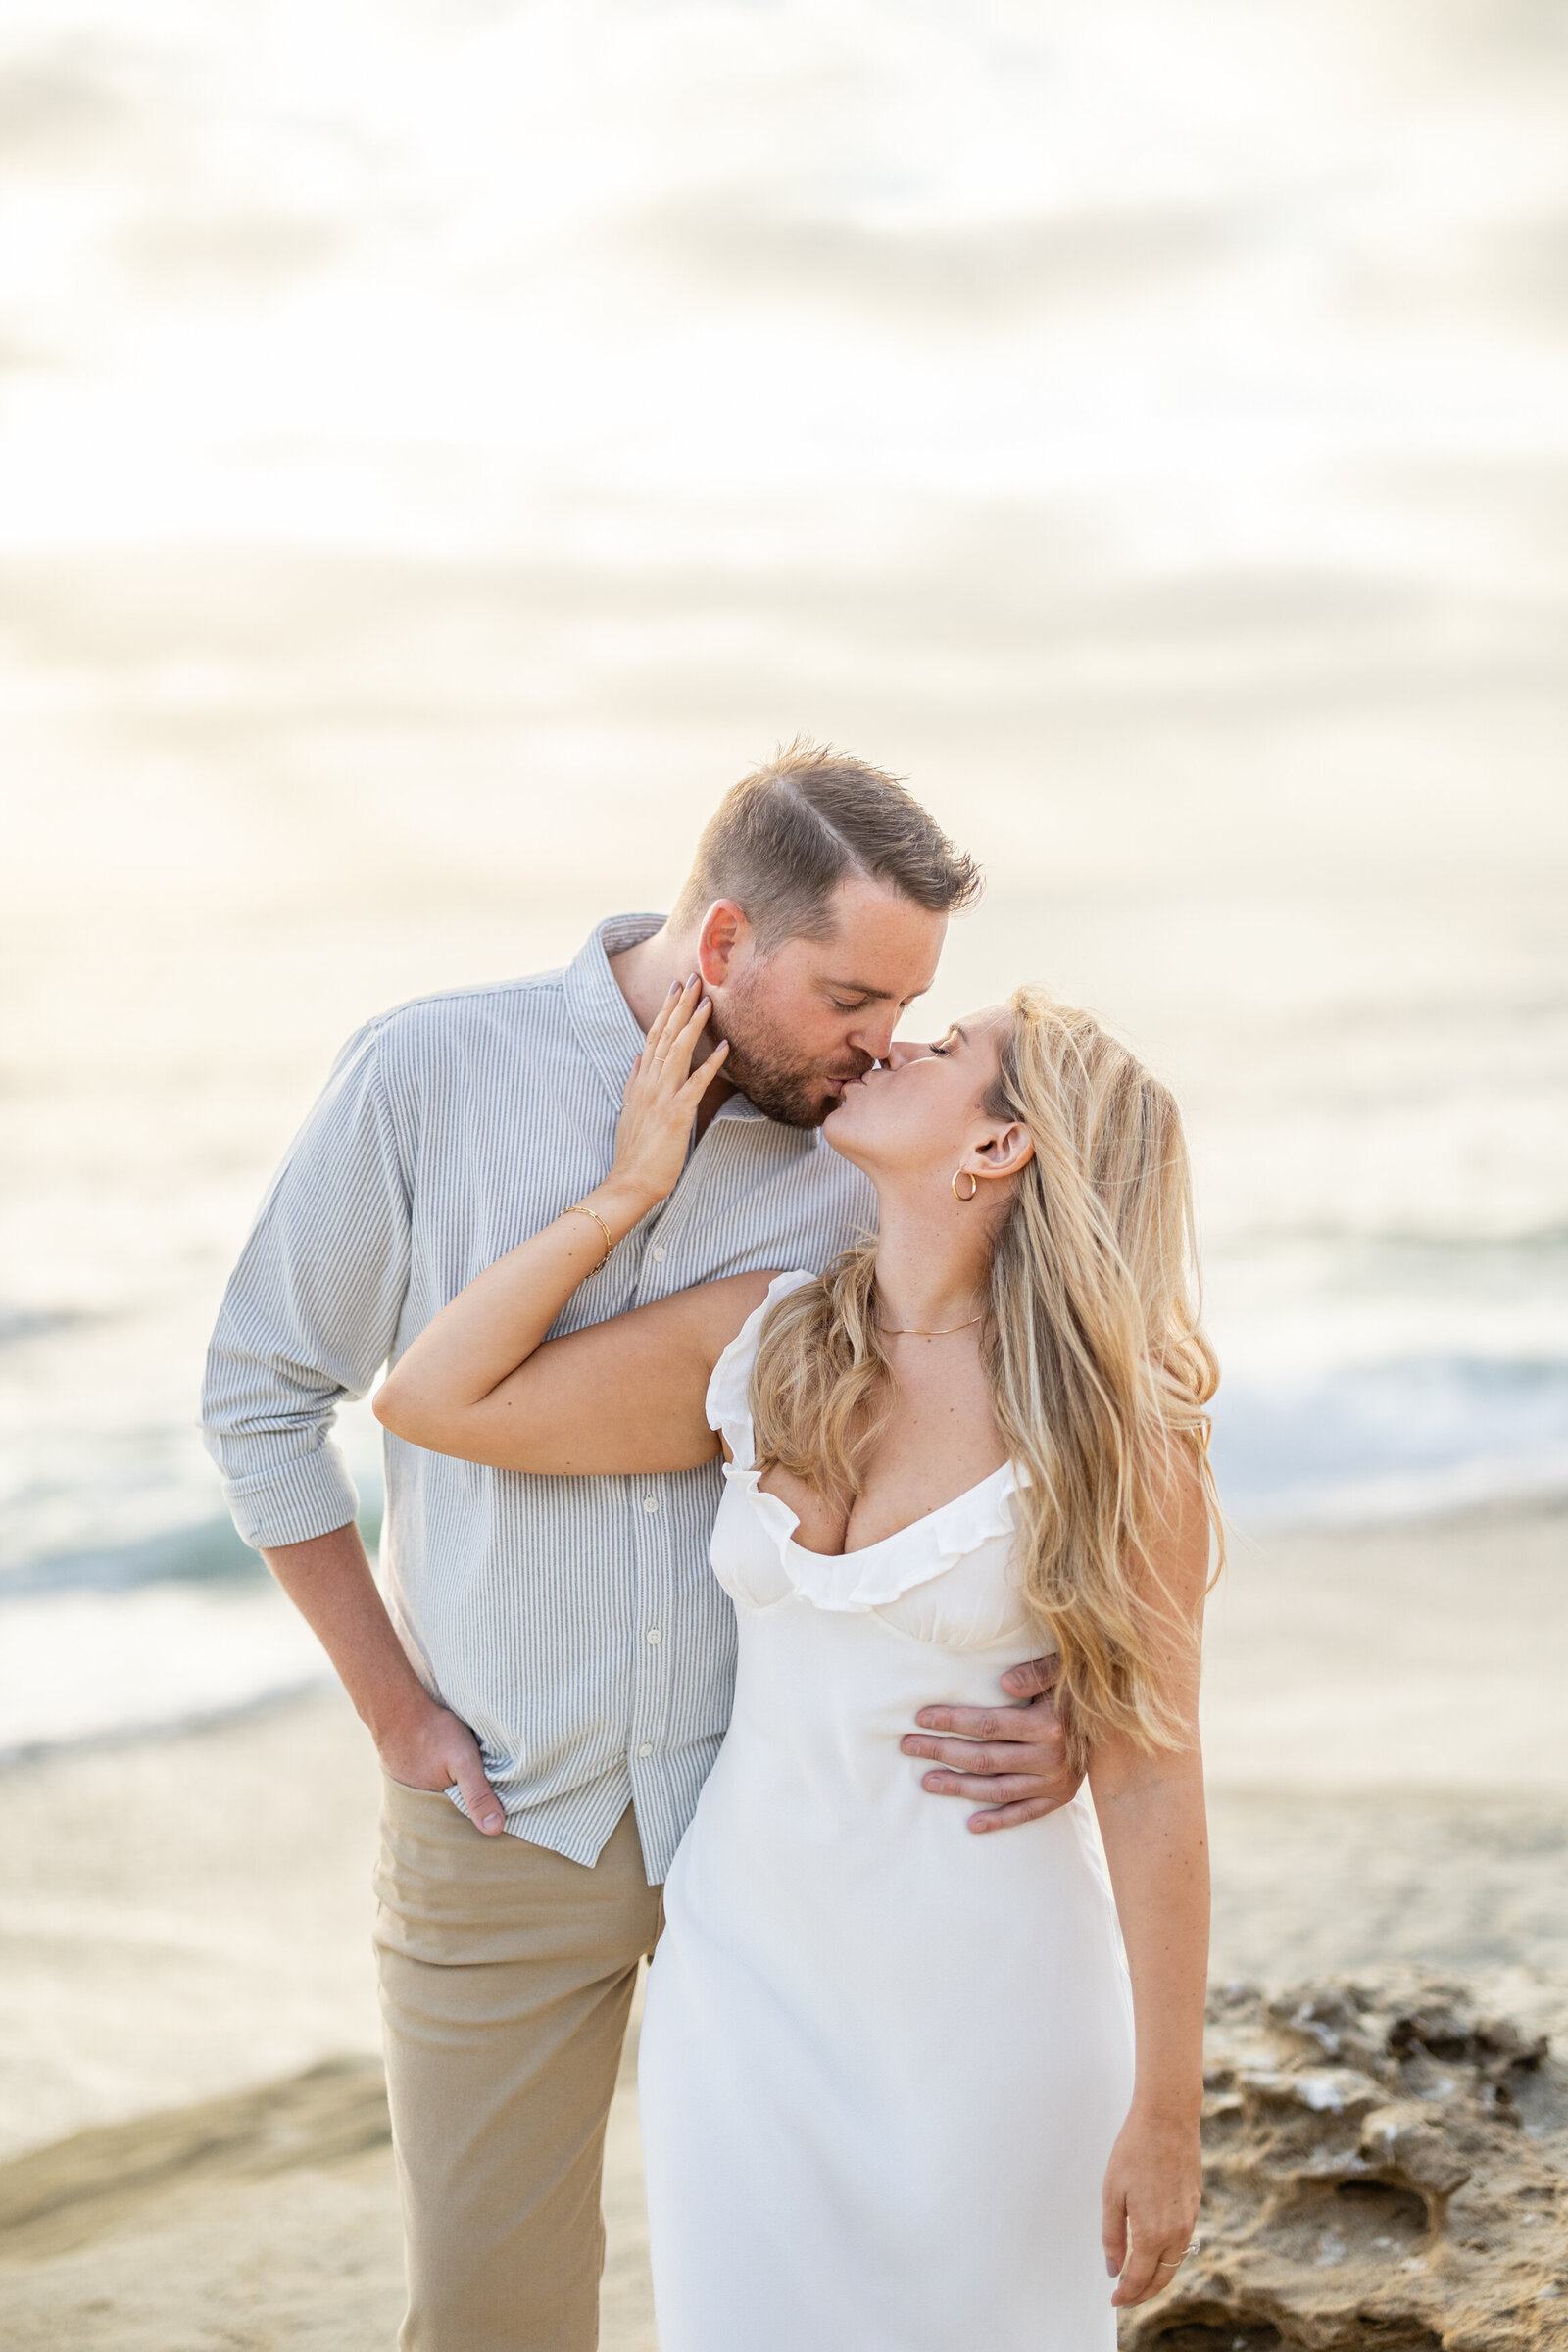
{"points": [[711, 1313]]}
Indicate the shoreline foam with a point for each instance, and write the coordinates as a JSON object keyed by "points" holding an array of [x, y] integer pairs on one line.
{"points": [[144, 1657]]}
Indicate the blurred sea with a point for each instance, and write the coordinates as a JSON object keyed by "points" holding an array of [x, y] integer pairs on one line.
{"points": [[440, 449]]}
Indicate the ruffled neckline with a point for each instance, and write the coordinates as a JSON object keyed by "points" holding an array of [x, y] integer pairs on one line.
{"points": [[875, 1574]]}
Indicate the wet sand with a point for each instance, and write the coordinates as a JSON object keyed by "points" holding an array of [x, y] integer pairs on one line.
{"points": [[186, 1923]]}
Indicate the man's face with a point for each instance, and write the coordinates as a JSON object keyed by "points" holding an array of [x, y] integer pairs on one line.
{"points": [[806, 1021]]}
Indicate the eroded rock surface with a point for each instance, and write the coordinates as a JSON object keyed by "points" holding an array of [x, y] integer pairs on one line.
{"points": [[1386, 2169]]}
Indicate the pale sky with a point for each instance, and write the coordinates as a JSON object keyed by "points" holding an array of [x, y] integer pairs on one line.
{"points": [[1232, 281], [1146, 425]]}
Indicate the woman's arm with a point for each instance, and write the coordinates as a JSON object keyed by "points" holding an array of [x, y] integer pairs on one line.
{"points": [[1151, 1813], [625, 1395]]}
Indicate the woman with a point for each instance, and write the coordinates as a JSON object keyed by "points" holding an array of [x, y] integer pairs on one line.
{"points": [[898, 2090]]}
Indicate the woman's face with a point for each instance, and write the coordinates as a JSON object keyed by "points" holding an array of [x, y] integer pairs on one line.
{"points": [[920, 1111]]}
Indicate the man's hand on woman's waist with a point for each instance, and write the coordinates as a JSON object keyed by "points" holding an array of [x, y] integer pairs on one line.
{"points": [[1010, 1760]]}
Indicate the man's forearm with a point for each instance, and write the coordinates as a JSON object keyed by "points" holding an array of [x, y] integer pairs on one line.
{"points": [[420, 1742], [329, 1581]]}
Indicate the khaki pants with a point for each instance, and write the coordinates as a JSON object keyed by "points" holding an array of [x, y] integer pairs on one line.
{"points": [[506, 1976]]}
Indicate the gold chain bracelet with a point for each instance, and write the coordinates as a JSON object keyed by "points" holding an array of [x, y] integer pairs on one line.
{"points": [[578, 1209]]}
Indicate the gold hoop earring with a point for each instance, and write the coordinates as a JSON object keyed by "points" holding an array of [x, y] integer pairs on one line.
{"points": [[974, 1185]]}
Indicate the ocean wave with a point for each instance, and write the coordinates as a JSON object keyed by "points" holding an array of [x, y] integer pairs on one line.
{"points": [[1405, 1437], [18, 1323], [209, 1552], [185, 1626], [1411, 1438]]}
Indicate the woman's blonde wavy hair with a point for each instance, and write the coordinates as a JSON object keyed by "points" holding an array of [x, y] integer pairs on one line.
{"points": [[1098, 1369]]}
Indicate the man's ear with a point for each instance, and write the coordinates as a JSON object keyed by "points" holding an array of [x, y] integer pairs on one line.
{"points": [[1007, 1149], [722, 935]]}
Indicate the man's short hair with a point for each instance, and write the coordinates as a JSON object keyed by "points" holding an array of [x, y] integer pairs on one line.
{"points": [[782, 840]]}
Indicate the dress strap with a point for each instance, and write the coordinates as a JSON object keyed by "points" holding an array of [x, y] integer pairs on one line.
{"points": [[728, 1403]]}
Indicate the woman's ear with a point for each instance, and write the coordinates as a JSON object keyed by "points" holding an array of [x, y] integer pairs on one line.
{"points": [[1007, 1151]]}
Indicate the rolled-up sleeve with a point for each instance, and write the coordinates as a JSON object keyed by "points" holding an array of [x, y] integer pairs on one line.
{"points": [[311, 1311]]}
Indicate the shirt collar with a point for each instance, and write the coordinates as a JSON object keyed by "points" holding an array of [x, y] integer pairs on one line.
{"points": [[606, 1026]]}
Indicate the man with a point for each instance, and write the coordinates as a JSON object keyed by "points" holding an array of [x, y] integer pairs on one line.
{"points": [[553, 1658]]}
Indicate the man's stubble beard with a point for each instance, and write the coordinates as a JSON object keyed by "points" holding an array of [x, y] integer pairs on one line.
{"points": [[789, 1090]]}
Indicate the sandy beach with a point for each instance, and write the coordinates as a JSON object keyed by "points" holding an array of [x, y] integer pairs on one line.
{"points": [[195, 2148]]}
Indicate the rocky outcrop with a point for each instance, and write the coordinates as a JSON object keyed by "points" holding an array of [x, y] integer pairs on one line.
{"points": [[1386, 2169]]}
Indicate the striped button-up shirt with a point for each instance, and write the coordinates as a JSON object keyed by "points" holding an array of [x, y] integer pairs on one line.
{"points": [[574, 1622]]}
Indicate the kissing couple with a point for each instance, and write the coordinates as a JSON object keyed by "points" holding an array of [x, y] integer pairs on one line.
{"points": [[775, 1405]]}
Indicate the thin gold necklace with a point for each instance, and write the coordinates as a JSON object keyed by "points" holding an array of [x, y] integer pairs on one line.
{"points": [[891, 1331]]}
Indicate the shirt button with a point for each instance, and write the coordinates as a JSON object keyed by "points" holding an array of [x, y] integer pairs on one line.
{"points": [[647, 1748], [650, 1503], [658, 1253], [654, 1634]]}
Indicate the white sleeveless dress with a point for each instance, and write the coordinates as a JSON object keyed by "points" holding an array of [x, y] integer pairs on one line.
{"points": [[883, 2059]]}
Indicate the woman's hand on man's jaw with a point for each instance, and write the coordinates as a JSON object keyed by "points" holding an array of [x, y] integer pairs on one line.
{"points": [[661, 1098]]}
